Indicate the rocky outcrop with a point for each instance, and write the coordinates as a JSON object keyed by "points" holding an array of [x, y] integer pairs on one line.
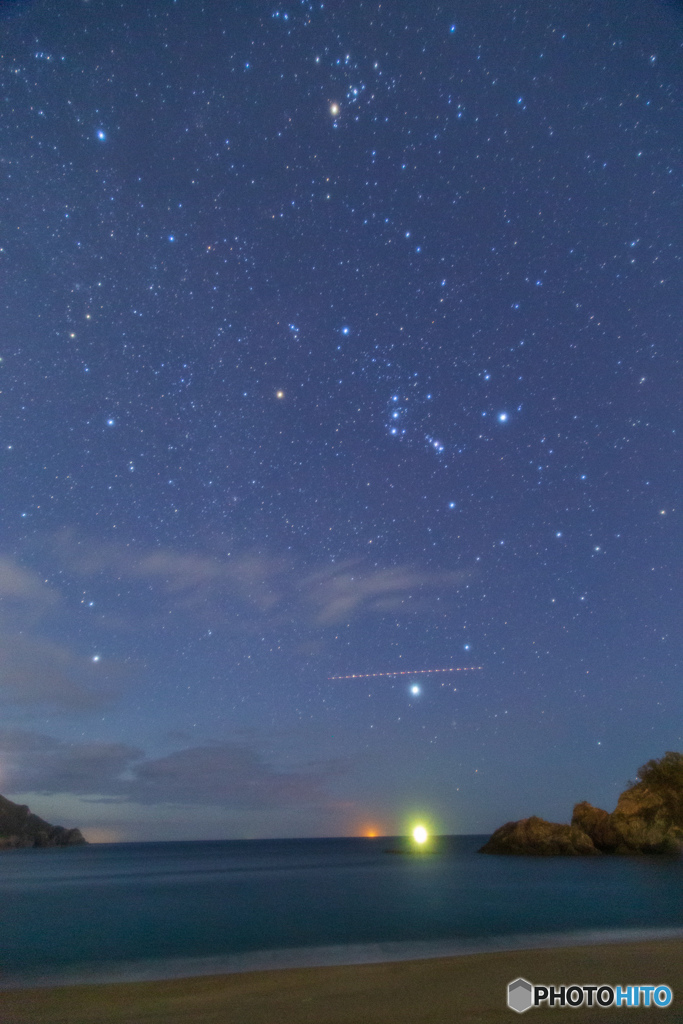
{"points": [[648, 818], [540, 838], [20, 828], [597, 824], [644, 821]]}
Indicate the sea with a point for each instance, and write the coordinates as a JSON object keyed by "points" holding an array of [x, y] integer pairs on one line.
{"points": [[135, 911]]}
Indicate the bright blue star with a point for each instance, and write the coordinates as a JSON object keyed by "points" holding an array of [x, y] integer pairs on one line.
{"points": [[101, 135], [502, 417]]}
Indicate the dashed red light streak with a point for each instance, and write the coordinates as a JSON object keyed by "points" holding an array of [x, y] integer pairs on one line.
{"points": [[417, 672]]}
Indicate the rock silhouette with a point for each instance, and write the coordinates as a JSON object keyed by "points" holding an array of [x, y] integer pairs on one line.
{"points": [[648, 818], [20, 828]]}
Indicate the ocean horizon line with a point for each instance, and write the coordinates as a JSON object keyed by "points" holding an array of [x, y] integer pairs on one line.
{"points": [[284, 839]]}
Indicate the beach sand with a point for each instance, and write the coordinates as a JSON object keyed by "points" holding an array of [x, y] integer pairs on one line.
{"points": [[455, 989]]}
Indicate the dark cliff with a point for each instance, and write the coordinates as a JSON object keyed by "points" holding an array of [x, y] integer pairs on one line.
{"points": [[20, 828]]}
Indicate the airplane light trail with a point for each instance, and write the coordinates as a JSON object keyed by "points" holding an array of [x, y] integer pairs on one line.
{"points": [[418, 672]]}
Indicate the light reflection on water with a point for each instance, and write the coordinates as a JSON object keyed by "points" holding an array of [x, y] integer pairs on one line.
{"points": [[148, 903]]}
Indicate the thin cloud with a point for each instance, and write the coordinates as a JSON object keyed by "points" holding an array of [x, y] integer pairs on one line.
{"points": [[207, 583], [19, 584], [34, 670], [221, 774], [234, 588], [345, 592], [32, 762]]}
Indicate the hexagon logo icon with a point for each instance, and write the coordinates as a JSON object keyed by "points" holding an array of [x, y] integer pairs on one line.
{"points": [[520, 996]]}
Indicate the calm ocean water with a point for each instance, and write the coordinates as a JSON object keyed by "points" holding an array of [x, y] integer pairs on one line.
{"points": [[143, 910]]}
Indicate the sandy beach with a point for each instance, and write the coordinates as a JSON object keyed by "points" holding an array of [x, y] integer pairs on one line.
{"points": [[458, 989]]}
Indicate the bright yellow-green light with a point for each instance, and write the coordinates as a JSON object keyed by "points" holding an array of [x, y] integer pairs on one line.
{"points": [[420, 834]]}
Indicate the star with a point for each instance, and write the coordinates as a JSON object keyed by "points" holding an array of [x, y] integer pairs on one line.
{"points": [[312, 539]]}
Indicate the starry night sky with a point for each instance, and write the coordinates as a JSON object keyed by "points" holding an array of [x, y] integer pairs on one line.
{"points": [[337, 339]]}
